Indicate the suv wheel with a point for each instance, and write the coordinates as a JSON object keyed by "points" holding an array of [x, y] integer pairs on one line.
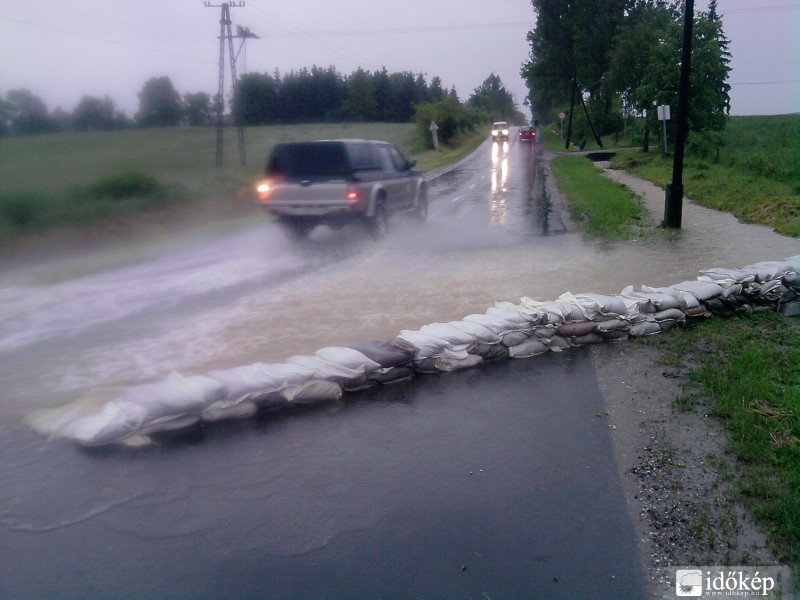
{"points": [[378, 224]]}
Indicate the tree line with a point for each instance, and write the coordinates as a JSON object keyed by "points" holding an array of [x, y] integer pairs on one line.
{"points": [[623, 58], [304, 96]]}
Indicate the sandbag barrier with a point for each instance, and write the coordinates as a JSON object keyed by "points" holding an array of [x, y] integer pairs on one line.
{"points": [[505, 330]]}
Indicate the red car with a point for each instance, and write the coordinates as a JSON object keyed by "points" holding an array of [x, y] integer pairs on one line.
{"points": [[527, 134]]}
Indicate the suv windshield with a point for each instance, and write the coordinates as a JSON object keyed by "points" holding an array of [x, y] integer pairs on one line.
{"points": [[306, 160]]}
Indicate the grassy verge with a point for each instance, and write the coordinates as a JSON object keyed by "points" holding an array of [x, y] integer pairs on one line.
{"points": [[430, 160], [745, 372], [755, 175], [603, 207]]}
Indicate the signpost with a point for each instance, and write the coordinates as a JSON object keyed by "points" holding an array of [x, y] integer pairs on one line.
{"points": [[434, 129], [561, 117], [663, 116]]}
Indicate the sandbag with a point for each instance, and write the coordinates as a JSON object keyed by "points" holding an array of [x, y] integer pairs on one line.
{"points": [[349, 358], [391, 375], [113, 423], [772, 269], [455, 364], [671, 314], [324, 369], [312, 392], [480, 333], [515, 337], [615, 334], [643, 303], [449, 333], [698, 312], [589, 338], [529, 348], [388, 353], [255, 383], [242, 410], [702, 290], [489, 351], [645, 328], [600, 304], [725, 275], [577, 328], [174, 395], [512, 315], [495, 323], [558, 343], [612, 324]]}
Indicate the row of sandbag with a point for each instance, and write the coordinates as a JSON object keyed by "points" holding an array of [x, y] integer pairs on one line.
{"points": [[505, 330]]}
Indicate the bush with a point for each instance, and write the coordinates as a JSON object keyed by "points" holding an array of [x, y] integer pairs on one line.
{"points": [[25, 211], [450, 116]]}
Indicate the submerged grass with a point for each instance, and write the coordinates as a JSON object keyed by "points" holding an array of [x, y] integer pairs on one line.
{"points": [[603, 207], [747, 375]]}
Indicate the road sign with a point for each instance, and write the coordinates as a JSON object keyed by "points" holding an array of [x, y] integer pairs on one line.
{"points": [[663, 112], [434, 129]]}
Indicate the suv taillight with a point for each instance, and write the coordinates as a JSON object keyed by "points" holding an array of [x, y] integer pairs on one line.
{"points": [[352, 194]]}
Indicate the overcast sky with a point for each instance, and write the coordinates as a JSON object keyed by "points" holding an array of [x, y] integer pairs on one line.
{"points": [[62, 50]]}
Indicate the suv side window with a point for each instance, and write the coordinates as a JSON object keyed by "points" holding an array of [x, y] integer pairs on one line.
{"points": [[387, 161], [362, 157], [391, 159]]}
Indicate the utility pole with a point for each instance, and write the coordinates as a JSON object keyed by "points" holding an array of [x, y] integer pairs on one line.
{"points": [[673, 202], [226, 35]]}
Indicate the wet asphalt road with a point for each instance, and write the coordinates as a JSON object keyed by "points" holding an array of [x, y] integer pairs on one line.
{"points": [[498, 482], [493, 483]]}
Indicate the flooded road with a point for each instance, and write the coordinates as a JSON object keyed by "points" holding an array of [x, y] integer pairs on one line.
{"points": [[261, 493]]}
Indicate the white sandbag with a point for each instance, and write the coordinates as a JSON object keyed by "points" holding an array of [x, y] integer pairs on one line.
{"points": [[512, 315], [114, 422], [769, 291], [657, 299], [612, 325], [495, 324], [175, 395], [449, 333], [685, 299], [529, 348], [480, 333], [772, 269], [431, 345], [671, 314], [388, 353], [551, 312], [53, 422], [348, 358], [489, 351], [702, 290], [389, 375], [645, 328], [456, 364], [600, 304], [324, 369], [726, 275], [220, 412], [253, 383], [165, 424], [513, 338], [312, 392], [558, 343]]}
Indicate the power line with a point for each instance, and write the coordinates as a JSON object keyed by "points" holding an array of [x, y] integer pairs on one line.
{"points": [[105, 40], [765, 82]]}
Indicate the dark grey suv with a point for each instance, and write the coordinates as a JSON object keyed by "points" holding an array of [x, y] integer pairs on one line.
{"points": [[337, 182]]}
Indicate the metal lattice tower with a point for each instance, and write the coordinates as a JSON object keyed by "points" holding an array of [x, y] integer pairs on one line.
{"points": [[225, 34]]}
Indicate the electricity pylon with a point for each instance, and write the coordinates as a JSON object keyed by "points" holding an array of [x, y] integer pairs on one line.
{"points": [[226, 35]]}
